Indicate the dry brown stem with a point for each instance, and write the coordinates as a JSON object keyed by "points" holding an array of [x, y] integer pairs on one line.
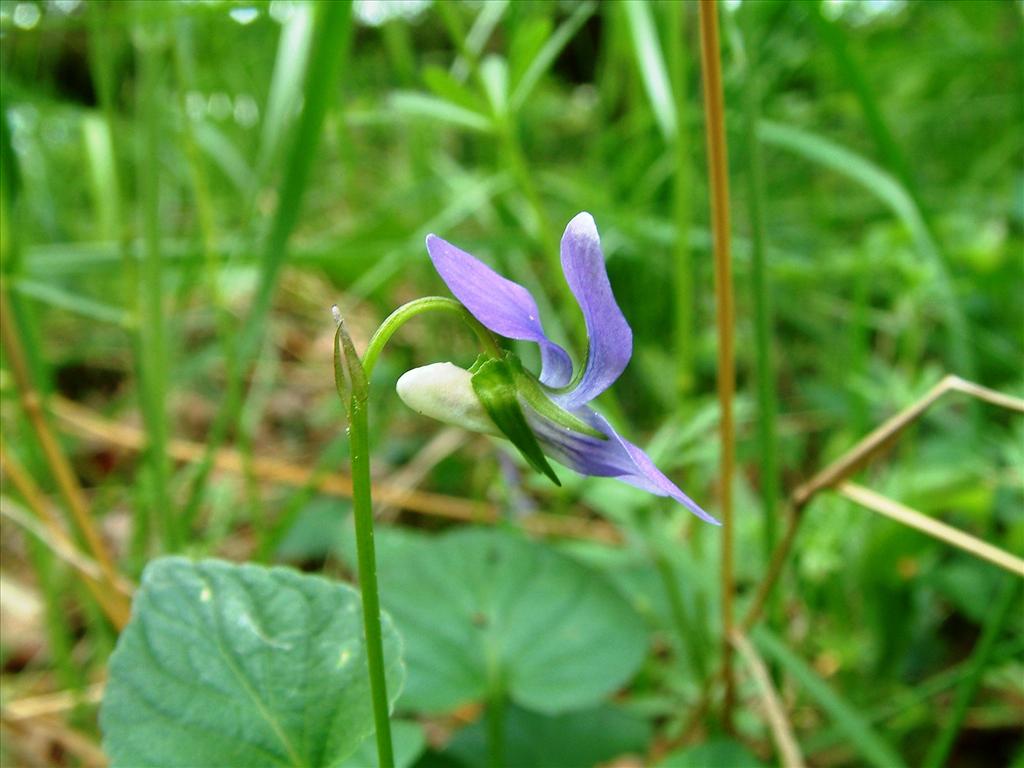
{"points": [[67, 482], [932, 527], [52, 534], [84, 422], [782, 731]]}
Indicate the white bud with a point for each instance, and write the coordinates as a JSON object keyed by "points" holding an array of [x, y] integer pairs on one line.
{"points": [[444, 391]]}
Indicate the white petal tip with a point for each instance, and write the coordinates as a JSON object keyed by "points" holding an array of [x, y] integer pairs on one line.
{"points": [[582, 225]]}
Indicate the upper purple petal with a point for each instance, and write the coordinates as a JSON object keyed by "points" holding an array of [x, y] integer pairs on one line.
{"points": [[505, 307], [610, 340], [615, 457]]}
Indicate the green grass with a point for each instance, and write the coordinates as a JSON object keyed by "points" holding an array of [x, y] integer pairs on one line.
{"points": [[185, 196]]}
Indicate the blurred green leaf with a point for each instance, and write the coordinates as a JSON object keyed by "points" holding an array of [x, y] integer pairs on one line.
{"points": [[580, 739], [528, 38], [890, 191], [224, 154], [431, 108], [651, 65], [409, 741], [494, 76], [448, 88], [720, 753], [283, 100], [477, 605], [73, 302]]}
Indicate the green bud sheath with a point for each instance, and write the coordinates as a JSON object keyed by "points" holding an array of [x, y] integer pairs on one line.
{"points": [[349, 375], [495, 386]]}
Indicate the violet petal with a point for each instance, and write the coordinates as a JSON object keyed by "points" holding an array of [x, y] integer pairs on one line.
{"points": [[610, 340], [616, 457], [503, 306]]}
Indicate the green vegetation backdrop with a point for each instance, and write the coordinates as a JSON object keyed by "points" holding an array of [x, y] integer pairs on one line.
{"points": [[187, 187]]}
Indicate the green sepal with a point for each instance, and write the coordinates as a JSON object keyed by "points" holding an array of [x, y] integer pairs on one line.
{"points": [[536, 398], [495, 386]]}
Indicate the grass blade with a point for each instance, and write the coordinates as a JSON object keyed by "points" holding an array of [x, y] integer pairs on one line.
{"points": [[152, 333], [421, 105], [331, 38], [651, 64], [285, 87], [764, 367], [869, 745], [682, 205], [889, 190], [542, 62], [996, 619], [73, 302]]}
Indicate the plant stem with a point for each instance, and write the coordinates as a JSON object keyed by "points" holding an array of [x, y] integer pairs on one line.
{"points": [[362, 506], [689, 632], [496, 729], [152, 333], [682, 262], [107, 595], [407, 312], [63, 473], [718, 172], [763, 364]]}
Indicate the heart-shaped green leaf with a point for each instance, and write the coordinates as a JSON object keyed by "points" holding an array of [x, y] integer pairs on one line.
{"points": [[480, 607], [227, 664]]}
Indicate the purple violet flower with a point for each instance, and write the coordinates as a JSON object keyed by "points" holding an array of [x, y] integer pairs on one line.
{"points": [[444, 391]]}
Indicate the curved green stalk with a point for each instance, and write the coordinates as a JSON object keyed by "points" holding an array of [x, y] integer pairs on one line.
{"points": [[407, 312]]}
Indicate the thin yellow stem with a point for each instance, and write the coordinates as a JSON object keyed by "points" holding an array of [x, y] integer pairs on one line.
{"points": [[782, 731], [48, 704], [67, 483], [52, 534], [718, 172], [84, 422], [901, 513]]}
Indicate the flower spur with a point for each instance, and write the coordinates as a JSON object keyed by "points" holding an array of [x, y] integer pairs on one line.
{"points": [[554, 408]]}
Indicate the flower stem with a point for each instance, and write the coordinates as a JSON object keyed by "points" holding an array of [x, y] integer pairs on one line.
{"points": [[406, 312], [496, 729], [362, 506], [718, 171]]}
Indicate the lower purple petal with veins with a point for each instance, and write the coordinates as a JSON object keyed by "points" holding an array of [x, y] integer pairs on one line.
{"points": [[615, 457]]}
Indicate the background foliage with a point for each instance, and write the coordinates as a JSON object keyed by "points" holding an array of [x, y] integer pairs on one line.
{"points": [[188, 187]]}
